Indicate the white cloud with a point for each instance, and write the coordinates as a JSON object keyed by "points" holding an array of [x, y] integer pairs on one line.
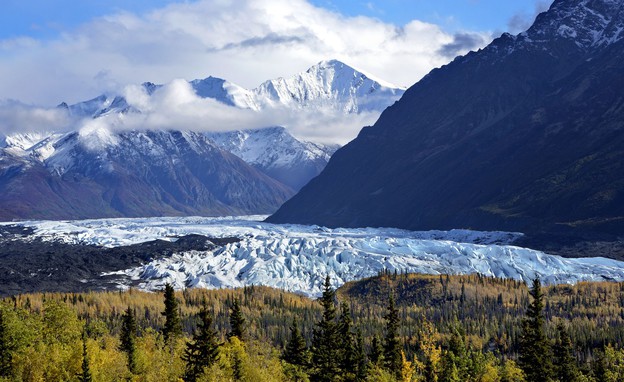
{"points": [[244, 41], [18, 117], [176, 106]]}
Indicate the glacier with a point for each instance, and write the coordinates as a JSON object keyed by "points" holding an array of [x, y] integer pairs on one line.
{"points": [[298, 257]]}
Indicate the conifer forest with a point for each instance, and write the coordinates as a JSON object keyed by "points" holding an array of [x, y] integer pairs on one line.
{"points": [[393, 327]]}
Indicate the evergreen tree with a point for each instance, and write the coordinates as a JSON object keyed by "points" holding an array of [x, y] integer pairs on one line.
{"points": [[563, 356], [85, 376], [599, 367], [361, 369], [325, 350], [376, 352], [535, 358], [347, 344], [456, 359], [127, 338], [237, 321], [237, 366], [6, 349], [392, 345], [173, 325], [296, 352], [203, 349]]}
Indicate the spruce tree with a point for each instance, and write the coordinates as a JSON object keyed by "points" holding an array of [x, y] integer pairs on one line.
{"points": [[563, 356], [173, 325], [127, 338], [237, 321], [325, 350], [361, 368], [392, 346], [237, 366], [296, 352], [346, 343], [535, 349], [376, 352], [203, 349], [85, 376], [456, 359], [6, 350]]}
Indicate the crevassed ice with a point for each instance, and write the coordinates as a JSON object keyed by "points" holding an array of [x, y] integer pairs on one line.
{"points": [[298, 257]]}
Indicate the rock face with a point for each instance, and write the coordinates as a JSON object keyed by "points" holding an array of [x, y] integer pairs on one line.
{"points": [[110, 174], [526, 135]]}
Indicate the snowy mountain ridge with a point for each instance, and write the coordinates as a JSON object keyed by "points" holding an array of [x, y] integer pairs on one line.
{"points": [[589, 25], [102, 173], [328, 85], [298, 257]]}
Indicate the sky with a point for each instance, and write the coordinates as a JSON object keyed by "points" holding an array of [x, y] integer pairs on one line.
{"points": [[73, 50]]}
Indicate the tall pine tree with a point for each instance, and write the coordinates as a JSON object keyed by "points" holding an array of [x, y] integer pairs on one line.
{"points": [[237, 321], [376, 352], [392, 346], [325, 349], [346, 341], [85, 376], [203, 349], [361, 368], [535, 352], [563, 356], [173, 325], [296, 352], [127, 338]]}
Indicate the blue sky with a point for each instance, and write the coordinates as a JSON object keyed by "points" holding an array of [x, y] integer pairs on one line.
{"points": [[492, 15], [47, 18], [70, 50]]}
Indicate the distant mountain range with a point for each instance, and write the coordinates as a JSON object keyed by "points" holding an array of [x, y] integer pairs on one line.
{"points": [[101, 171], [526, 134]]}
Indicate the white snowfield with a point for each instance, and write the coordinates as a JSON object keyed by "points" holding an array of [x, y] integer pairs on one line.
{"points": [[297, 258]]}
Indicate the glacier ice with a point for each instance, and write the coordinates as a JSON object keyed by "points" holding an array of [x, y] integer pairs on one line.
{"points": [[298, 257]]}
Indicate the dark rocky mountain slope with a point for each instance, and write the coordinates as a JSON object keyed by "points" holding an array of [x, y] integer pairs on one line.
{"points": [[526, 134]]}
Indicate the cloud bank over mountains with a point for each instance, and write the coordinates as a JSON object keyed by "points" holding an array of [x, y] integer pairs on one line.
{"points": [[244, 41], [176, 106]]}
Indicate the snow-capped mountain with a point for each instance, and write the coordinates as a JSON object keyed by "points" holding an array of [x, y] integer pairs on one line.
{"points": [[277, 153], [297, 257], [329, 86], [104, 173]]}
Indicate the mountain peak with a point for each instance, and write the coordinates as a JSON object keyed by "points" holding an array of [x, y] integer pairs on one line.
{"points": [[333, 63], [587, 23], [330, 84], [339, 66]]}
